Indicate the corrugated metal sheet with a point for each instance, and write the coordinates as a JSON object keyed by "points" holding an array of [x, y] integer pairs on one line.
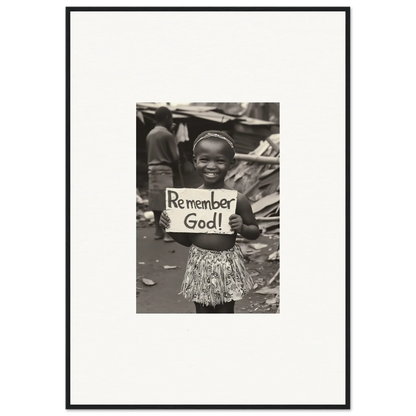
{"points": [[197, 108], [247, 138], [262, 130], [245, 143], [209, 115], [264, 111], [154, 106], [256, 122], [206, 113], [232, 109], [246, 131], [174, 115]]}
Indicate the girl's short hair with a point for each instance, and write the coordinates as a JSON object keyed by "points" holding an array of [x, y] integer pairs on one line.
{"points": [[215, 134]]}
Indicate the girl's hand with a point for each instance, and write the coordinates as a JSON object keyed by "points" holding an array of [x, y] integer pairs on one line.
{"points": [[164, 221], [236, 223]]}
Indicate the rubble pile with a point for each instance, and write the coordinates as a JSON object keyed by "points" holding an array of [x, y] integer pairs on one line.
{"points": [[260, 184], [143, 215]]}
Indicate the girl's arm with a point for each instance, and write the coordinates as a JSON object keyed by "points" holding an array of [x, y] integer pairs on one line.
{"points": [[244, 221], [181, 238]]}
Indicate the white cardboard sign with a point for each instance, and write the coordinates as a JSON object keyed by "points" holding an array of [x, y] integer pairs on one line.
{"points": [[204, 211]]}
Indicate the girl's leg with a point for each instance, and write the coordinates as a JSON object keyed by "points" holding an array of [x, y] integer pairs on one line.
{"points": [[204, 309], [225, 307]]}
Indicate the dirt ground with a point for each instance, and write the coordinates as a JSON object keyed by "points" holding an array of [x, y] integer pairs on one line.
{"points": [[163, 297]]}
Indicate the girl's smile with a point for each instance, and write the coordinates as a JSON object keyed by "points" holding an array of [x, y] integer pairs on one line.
{"points": [[213, 159]]}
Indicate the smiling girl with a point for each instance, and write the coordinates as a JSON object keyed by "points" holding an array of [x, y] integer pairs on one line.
{"points": [[215, 275]]}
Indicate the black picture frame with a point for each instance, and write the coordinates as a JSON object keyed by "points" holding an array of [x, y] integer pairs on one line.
{"points": [[349, 407]]}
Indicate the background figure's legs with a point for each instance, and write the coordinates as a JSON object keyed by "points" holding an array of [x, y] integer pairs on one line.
{"points": [[225, 307], [158, 229]]}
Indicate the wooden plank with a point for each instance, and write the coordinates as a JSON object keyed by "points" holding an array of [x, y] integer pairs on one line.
{"points": [[274, 145], [265, 212], [267, 172], [265, 202], [258, 159], [273, 178], [251, 188], [268, 224], [273, 278]]}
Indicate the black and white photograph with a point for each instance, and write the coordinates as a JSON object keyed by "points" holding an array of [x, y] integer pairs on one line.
{"points": [[208, 173], [190, 151]]}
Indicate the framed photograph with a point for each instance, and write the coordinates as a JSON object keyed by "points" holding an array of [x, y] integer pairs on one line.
{"points": [[230, 127], [253, 129]]}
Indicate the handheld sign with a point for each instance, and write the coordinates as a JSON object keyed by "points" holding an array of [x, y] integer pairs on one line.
{"points": [[200, 210]]}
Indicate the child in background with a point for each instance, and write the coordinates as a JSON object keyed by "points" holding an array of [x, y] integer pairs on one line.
{"points": [[215, 275]]}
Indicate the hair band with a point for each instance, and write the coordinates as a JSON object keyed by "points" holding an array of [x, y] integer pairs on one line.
{"points": [[213, 135]]}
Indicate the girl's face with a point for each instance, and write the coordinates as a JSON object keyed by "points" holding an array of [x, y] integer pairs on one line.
{"points": [[213, 159]]}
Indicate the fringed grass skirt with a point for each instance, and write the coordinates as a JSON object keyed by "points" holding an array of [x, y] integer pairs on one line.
{"points": [[215, 277]]}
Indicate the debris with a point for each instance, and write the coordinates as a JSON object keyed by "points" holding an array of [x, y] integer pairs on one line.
{"points": [[258, 246], [274, 256], [268, 291], [171, 251], [269, 226], [275, 144], [157, 261], [268, 218], [170, 267], [255, 286], [266, 173], [148, 282], [270, 236], [241, 240], [149, 215], [253, 273], [141, 224], [247, 250], [144, 236], [141, 262], [258, 180], [272, 301], [273, 278], [266, 204], [260, 259]]}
